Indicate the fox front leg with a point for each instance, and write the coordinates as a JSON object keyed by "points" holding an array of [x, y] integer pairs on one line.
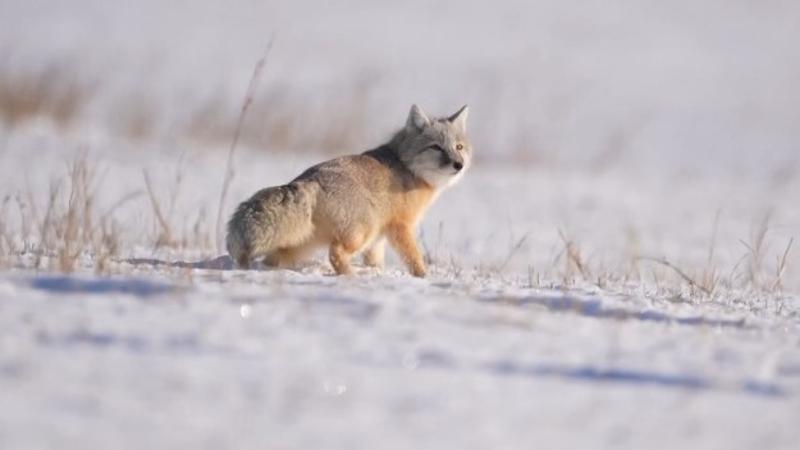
{"points": [[402, 239], [374, 256], [340, 259]]}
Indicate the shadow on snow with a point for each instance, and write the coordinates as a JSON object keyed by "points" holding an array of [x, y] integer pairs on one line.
{"points": [[223, 262], [72, 285], [593, 307], [633, 377]]}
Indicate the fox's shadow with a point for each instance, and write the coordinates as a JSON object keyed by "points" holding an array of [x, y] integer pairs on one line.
{"points": [[223, 262]]}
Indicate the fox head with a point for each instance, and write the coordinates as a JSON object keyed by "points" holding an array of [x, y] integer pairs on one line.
{"points": [[436, 150]]}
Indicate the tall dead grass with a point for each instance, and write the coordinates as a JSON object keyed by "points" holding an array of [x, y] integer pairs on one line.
{"points": [[69, 229], [750, 273], [6, 242], [70, 226], [60, 92]]}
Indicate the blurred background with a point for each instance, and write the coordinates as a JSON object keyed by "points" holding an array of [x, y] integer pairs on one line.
{"points": [[623, 128], [698, 85]]}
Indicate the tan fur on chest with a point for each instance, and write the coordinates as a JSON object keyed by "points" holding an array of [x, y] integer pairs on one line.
{"points": [[408, 206]]}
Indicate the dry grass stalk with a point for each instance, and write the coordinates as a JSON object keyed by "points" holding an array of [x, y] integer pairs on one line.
{"points": [[229, 170], [106, 246], [29, 212], [691, 281], [26, 224], [165, 236], [780, 269], [513, 250], [574, 260], [710, 278], [200, 235], [74, 230], [632, 251], [6, 244], [455, 268], [756, 250], [534, 278], [45, 229]]}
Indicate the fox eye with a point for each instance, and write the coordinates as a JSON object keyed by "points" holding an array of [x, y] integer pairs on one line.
{"points": [[437, 147], [459, 147]]}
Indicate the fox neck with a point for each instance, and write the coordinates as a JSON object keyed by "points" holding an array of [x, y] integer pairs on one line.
{"points": [[439, 182]]}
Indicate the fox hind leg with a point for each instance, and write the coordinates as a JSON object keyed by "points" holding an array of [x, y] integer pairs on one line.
{"points": [[286, 257], [343, 248]]}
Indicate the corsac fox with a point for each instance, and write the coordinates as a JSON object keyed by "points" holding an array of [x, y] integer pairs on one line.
{"points": [[355, 203]]}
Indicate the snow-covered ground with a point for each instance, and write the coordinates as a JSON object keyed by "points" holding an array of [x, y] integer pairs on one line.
{"points": [[303, 360], [617, 270]]}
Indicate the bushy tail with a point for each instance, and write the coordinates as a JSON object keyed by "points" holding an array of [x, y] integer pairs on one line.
{"points": [[273, 218]]}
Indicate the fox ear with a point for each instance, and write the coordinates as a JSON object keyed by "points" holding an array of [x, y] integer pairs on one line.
{"points": [[459, 119], [417, 119]]}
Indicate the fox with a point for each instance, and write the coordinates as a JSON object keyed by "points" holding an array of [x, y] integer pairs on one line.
{"points": [[354, 204]]}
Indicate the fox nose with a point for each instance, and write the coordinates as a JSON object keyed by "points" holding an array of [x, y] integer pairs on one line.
{"points": [[458, 166]]}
